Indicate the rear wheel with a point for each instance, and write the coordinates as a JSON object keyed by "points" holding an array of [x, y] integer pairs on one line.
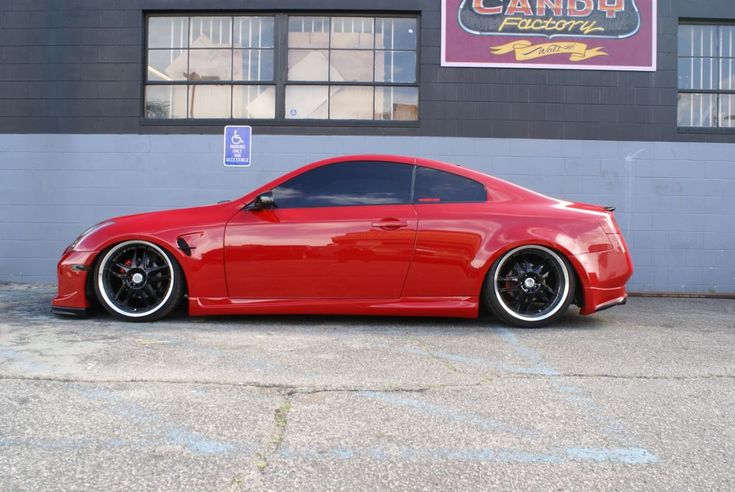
{"points": [[138, 281], [529, 286]]}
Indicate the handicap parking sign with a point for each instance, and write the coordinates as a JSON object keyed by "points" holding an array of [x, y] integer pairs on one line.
{"points": [[237, 145]]}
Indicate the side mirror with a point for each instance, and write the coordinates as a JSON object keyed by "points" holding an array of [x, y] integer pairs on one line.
{"points": [[262, 202]]}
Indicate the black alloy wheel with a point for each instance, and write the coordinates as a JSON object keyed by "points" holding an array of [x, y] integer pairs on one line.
{"points": [[138, 281], [530, 286]]}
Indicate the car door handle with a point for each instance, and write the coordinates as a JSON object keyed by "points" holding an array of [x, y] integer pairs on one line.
{"points": [[389, 224]]}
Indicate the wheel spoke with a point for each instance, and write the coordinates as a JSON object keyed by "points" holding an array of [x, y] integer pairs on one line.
{"points": [[527, 302], [120, 291], [543, 296], [148, 289]]}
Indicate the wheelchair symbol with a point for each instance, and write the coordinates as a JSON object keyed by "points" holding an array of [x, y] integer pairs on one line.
{"points": [[236, 139]]}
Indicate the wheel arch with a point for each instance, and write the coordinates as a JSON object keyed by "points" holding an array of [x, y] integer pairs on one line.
{"points": [[580, 275], [175, 253]]}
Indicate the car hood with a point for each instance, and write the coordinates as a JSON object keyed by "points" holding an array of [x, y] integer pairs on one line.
{"points": [[164, 224]]}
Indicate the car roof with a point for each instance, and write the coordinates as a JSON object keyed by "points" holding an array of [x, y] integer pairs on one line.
{"points": [[496, 185], [499, 189]]}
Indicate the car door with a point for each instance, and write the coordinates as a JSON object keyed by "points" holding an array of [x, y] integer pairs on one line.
{"points": [[338, 231], [453, 227]]}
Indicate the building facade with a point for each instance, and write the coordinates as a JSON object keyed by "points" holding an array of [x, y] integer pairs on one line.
{"points": [[109, 108]]}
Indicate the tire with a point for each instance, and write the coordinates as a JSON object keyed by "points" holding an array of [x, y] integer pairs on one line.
{"points": [[138, 281], [530, 286]]}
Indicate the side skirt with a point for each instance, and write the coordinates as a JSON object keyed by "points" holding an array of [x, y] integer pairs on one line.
{"points": [[453, 307]]}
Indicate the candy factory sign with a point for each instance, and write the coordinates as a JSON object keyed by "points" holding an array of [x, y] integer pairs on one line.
{"points": [[566, 34]]}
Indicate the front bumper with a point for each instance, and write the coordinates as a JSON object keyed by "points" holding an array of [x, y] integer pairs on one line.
{"points": [[72, 272]]}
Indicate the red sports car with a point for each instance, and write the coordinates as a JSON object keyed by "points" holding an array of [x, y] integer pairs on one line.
{"points": [[363, 235]]}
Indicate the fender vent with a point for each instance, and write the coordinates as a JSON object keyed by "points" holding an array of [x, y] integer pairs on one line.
{"points": [[183, 246]]}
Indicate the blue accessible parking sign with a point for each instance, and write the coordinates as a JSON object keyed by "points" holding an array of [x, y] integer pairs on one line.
{"points": [[237, 145]]}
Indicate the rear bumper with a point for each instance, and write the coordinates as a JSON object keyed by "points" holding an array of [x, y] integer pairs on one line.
{"points": [[604, 275], [597, 299], [72, 272]]}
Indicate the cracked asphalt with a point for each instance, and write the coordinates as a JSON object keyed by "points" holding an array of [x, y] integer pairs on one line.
{"points": [[640, 397]]}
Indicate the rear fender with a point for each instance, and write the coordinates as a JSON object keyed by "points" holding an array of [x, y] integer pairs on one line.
{"points": [[579, 271]]}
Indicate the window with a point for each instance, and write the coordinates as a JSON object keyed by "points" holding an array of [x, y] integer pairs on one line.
{"points": [[282, 67], [350, 183], [433, 186], [210, 67], [706, 76], [353, 68]]}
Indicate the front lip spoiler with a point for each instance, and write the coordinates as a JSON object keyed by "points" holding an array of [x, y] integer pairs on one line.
{"points": [[612, 304], [69, 311]]}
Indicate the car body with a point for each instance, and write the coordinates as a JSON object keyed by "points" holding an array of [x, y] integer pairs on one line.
{"points": [[423, 244]]}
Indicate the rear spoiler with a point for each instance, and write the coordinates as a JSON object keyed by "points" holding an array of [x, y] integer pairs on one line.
{"points": [[610, 209]]}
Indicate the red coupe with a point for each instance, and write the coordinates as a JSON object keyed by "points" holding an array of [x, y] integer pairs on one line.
{"points": [[362, 235]]}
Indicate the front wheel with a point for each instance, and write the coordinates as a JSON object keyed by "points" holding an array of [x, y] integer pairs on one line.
{"points": [[138, 281], [529, 286]]}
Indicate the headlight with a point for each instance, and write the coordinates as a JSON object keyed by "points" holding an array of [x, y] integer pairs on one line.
{"points": [[86, 233]]}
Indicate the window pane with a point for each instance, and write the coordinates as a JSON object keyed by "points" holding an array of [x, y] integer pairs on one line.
{"points": [[210, 101], [165, 101], [254, 101], [353, 183], [727, 41], [211, 32], [352, 32], [351, 66], [307, 102], [308, 65], [698, 73], [396, 103], [168, 32], [210, 65], [697, 110], [351, 103], [167, 65], [308, 32], [395, 66], [434, 186], [395, 34], [697, 40], [253, 64], [727, 111], [727, 74], [253, 32]]}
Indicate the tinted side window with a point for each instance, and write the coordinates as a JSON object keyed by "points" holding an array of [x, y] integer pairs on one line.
{"points": [[434, 186], [344, 184]]}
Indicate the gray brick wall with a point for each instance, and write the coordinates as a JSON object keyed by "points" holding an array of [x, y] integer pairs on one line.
{"points": [[674, 199], [75, 66]]}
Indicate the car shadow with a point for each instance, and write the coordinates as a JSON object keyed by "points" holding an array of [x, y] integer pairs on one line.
{"points": [[571, 320]]}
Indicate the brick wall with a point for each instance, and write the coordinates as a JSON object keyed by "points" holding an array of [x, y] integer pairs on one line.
{"points": [[674, 199], [75, 66]]}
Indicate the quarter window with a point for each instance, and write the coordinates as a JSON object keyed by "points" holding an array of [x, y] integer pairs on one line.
{"points": [[282, 67], [706, 76], [433, 186], [345, 184]]}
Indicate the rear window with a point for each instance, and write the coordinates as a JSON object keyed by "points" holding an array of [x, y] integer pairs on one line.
{"points": [[433, 186]]}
